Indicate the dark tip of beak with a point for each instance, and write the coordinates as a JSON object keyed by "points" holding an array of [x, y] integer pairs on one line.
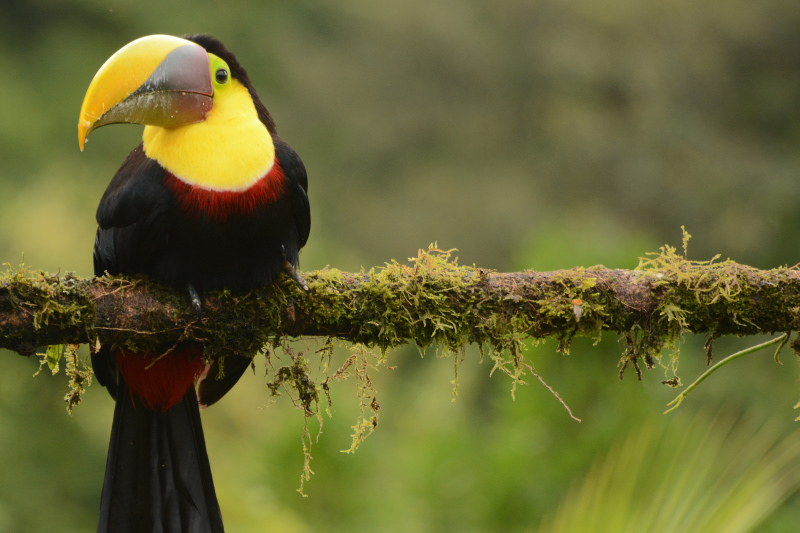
{"points": [[185, 69], [178, 92]]}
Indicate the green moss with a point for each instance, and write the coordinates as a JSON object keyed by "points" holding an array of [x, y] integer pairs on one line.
{"points": [[80, 377], [434, 301], [714, 294], [50, 299]]}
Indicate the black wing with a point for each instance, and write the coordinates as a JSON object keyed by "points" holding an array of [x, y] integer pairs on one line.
{"points": [[133, 217], [297, 180]]}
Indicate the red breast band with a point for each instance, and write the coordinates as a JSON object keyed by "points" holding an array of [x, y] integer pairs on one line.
{"points": [[220, 205]]}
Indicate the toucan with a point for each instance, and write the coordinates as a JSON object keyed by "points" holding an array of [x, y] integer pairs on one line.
{"points": [[211, 199]]}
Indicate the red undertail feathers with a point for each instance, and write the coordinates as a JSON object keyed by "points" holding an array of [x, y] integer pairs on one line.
{"points": [[159, 381]]}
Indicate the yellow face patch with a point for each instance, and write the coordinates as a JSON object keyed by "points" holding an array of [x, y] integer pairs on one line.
{"points": [[229, 151]]}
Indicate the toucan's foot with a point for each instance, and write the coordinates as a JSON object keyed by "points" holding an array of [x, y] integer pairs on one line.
{"points": [[198, 306], [289, 269]]}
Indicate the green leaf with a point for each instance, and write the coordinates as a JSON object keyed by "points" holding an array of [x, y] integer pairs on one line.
{"points": [[713, 475], [53, 356]]}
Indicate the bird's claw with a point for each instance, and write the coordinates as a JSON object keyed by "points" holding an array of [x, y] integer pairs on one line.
{"points": [[290, 270]]}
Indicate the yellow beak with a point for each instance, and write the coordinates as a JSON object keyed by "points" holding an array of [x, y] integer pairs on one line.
{"points": [[157, 80]]}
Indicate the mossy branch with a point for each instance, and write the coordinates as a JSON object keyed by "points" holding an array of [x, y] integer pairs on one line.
{"points": [[430, 300]]}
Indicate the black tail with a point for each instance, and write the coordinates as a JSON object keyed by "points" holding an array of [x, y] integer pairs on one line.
{"points": [[158, 478]]}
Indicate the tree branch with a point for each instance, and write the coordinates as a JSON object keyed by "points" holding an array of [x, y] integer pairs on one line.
{"points": [[432, 299]]}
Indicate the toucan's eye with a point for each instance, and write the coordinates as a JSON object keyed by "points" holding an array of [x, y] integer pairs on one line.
{"points": [[221, 75]]}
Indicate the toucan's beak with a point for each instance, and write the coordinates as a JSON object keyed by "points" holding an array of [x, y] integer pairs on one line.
{"points": [[157, 80]]}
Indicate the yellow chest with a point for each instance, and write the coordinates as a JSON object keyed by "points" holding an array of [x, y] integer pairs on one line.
{"points": [[229, 151]]}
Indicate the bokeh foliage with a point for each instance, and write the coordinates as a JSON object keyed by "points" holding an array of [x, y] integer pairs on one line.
{"points": [[527, 134]]}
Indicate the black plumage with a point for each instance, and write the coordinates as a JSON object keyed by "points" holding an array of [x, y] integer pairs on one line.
{"points": [[143, 230], [158, 476]]}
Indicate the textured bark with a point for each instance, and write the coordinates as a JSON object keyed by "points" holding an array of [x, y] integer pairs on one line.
{"points": [[431, 300]]}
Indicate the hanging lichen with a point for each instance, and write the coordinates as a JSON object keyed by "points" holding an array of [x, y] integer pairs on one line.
{"points": [[431, 301]]}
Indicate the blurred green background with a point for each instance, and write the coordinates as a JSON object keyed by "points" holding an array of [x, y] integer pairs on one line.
{"points": [[527, 134]]}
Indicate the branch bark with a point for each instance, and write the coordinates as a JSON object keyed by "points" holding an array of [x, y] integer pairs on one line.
{"points": [[430, 300]]}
